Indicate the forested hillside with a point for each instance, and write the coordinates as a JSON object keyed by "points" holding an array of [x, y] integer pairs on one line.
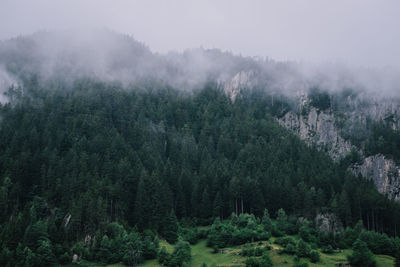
{"points": [[81, 166]]}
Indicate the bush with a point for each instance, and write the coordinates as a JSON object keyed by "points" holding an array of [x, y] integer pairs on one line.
{"points": [[251, 262], [361, 256], [290, 249], [64, 258], [284, 241], [248, 252], [163, 256], [328, 249], [314, 256], [190, 235], [379, 243], [264, 261], [303, 249]]}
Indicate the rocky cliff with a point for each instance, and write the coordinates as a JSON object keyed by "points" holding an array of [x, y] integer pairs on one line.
{"points": [[329, 131], [384, 172], [317, 128], [332, 129]]}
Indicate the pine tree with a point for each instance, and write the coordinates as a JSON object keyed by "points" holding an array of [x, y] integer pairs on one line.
{"points": [[45, 253], [361, 256], [169, 227], [281, 220], [206, 205], [218, 206], [266, 221]]}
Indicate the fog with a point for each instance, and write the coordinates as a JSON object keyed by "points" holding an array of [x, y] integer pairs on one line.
{"points": [[287, 45], [363, 33]]}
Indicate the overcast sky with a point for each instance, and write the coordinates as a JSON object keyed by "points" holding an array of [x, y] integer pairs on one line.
{"points": [[355, 32]]}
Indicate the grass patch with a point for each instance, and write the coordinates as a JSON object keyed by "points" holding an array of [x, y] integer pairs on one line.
{"points": [[230, 257]]}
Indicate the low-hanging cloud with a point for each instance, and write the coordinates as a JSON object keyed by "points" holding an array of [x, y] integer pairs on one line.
{"points": [[108, 56]]}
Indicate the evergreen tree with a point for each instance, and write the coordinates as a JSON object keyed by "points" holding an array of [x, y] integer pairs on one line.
{"points": [[169, 228], [361, 256], [266, 221], [45, 253], [218, 206]]}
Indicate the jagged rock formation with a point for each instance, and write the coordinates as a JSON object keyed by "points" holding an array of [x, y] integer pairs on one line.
{"points": [[328, 222], [330, 129], [242, 79], [384, 172], [317, 128], [321, 128]]}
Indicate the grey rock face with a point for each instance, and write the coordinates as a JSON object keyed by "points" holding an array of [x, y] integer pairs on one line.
{"points": [[317, 128], [384, 172], [320, 128], [328, 222], [331, 131], [241, 80]]}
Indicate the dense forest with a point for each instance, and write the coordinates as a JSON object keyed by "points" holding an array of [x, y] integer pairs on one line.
{"points": [[100, 166]]}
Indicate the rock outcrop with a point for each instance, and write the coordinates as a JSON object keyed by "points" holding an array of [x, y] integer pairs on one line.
{"points": [[242, 79], [317, 128], [331, 128], [384, 172], [321, 128]]}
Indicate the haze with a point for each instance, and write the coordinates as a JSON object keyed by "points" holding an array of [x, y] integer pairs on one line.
{"points": [[360, 33]]}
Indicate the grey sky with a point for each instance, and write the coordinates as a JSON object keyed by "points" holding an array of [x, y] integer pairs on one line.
{"points": [[355, 32]]}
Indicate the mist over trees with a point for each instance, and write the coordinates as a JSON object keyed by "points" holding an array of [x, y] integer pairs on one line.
{"points": [[105, 149], [58, 58], [72, 162]]}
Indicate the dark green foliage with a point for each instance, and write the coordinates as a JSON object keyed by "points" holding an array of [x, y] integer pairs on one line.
{"points": [[45, 253], [303, 249], [238, 230], [284, 241], [264, 261], [252, 251], [191, 235], [163, 256], [314, 256], [308, 233], [320, 99], [65, 258], [266, 221], [361, 256], [379, 243], [180, 257], [289, 249], [328, 249], [397, 259], [76, 157], [383, 140], [169, 229]]}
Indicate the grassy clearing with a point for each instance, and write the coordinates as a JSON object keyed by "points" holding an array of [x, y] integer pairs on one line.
{"points": [[229, 257]]}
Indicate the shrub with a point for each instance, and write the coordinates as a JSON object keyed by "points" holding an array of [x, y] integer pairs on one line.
{"points": [[314, 256], [328, 249], [64, 258], [361, 256], [284, 241], [290, 249], [303, 249], [264, 261]]}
